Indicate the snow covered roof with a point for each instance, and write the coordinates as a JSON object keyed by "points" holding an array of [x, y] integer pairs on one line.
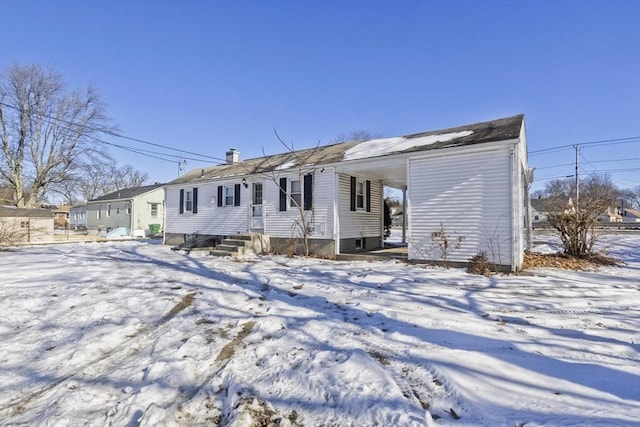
{"points": [[496, 130]]}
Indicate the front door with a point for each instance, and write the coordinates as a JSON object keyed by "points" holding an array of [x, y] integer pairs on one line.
{"points": [[257, 220]]}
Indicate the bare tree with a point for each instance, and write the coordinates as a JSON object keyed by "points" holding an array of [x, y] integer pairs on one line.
{"points": [[631, 197], [10, 234], [126, 177], [96, 177], [304, 164], [354, 135], [46, 131], [576, 222], [6, 194]]}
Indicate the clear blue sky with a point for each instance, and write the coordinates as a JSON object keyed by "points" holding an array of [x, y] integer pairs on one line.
{"points": [[204, 76]]}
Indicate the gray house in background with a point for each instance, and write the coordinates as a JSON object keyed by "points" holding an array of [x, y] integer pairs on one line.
{"points": [[469, 183], [136, 212]]}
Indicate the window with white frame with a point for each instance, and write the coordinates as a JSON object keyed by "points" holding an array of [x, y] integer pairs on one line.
{"points": [[108, 210], [188, 200], [127, 208], [229, 192], [154, 210], [296, 193], [360, 195], [99, 213]]}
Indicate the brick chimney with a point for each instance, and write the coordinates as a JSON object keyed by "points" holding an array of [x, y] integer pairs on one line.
{"points": [[233, 156]]}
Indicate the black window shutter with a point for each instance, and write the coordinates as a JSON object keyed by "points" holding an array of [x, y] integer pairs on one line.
{"points": [[236, 195], [220, 196], [368, 196], [181, 201], [308, 192], [353, 193], [283, 194], [195, 200]]}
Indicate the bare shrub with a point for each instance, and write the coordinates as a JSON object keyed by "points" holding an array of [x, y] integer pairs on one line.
{"points": [[480, 264]]}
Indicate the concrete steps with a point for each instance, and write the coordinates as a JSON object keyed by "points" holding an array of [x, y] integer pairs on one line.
{"points": [[241, 245]]}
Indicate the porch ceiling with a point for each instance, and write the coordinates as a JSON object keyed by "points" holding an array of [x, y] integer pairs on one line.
{"points": [[392, 172]]}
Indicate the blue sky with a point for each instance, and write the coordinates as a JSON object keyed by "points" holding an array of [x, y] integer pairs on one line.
{"points": [[204, 76]]}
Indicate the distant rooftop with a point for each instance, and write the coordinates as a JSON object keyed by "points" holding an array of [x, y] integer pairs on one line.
{"points": [[126, 193]]}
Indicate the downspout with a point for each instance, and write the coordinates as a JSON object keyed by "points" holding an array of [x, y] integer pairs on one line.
{"points": [[336, 211], [131, 218], [164, 217], [404, 214], [514, 209], [527, 188]]}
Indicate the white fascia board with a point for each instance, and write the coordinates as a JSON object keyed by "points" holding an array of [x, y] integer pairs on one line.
{"points": [[467, 149]]}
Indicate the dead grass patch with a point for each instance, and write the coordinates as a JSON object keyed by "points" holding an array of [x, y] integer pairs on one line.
{"points": [[566, 262]]}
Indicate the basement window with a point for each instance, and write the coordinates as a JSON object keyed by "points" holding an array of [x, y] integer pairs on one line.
{"points": [[359, 243]]}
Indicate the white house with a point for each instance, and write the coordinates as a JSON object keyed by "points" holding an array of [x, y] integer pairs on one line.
{"points": [[137, 211], [466, 190], [630, 215]]}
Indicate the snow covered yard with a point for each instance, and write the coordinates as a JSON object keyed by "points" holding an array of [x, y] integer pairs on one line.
{"points": [[131, 333]]}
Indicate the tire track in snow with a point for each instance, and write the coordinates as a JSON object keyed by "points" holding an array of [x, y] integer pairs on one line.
{"points": [[126, 347]]}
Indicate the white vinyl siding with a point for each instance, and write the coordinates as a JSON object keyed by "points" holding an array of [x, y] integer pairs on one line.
{"points": [[210, 219], [215, 220], [320, 218], [466, 195], [142, 214], [359, 223]]}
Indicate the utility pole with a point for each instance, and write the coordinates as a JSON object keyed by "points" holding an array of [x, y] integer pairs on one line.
{"points": [[577, 147], [182, 165]]}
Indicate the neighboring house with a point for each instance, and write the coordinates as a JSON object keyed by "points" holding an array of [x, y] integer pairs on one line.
{"points": [[78, 217], [137, 211], [540, 210], [630, 215], [61, 213], [611, 215], [19, 225], [468, 183]]}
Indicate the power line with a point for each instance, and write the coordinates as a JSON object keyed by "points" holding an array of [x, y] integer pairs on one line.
{"points": [[588, 161], [603, 142], [55, 121], [589, 172]]}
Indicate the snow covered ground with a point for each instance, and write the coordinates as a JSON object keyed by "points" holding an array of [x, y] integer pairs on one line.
{"points": [[131, 333]]}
